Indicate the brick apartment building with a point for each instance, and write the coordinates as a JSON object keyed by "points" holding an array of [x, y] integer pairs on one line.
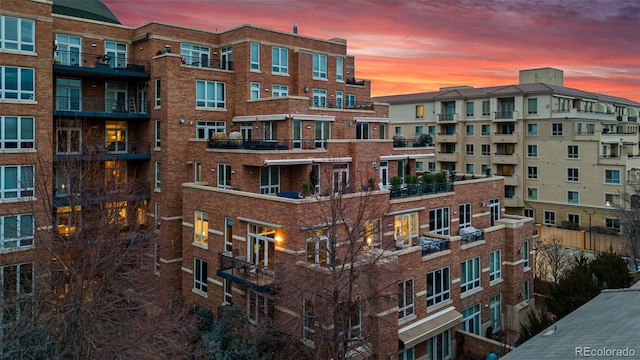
{"points": [[265, 170]]}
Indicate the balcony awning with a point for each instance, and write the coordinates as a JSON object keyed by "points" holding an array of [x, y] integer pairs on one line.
{"points": [[421, 156], [394, 157], [312, 117], [371, 119], [610, 141], [413, 334], [287, 162], [266, 117], [333, 160]]}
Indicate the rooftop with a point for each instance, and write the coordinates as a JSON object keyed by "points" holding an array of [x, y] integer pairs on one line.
{"points": [[85, 9]]}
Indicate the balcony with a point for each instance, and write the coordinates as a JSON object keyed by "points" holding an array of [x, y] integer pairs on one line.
{"points": [[513, 201], [447, 137], [342, 105], [100, 108], [235, 268], [423, 141], [508, 116], [134, 150], [353, 81], [99, 65], [505, 138], [510, 180], [447, 156], [470, 234], [432, 245], [85, 196], [505, 158], [582, 114], [447, 117], [415, 190], [203, 61]]}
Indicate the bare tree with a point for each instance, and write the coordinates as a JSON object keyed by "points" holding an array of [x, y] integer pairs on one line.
{"points": [[629, 214], [94, 294], [552, 259]]}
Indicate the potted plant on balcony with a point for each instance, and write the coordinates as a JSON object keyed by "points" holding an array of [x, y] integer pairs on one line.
{"points": [[306, 189], [441, 180]]}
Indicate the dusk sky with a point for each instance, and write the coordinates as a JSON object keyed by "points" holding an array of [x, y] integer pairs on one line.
{"points": [[408, 46]]}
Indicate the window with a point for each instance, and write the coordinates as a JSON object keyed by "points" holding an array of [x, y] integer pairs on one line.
{"points": [[469, 149], [431, 166], [158, 93], [532, 193], [255, 90], [270, 131], [471, 322], [431, 130], [398, 130], [16, 181], [573, 197], [419, 130], [156, 256], [405, 298], [612, 224], [339, 69], [318, 247], [228, 234], [319, 98], [195, 55], [485, 130], [228, 295], [322, 133], [362, 130], [118, 53], [470, 130], [485, 149], [532, 151], [529, 213], [224, 176], [532, 129], [319, 66], [556, 129], [496, 313], [68, 49], [16, 132], [549, 217], [486, 108], [279, 60], [495, 265], [197, 171], [350, 101], [419, 166], [210, 94], [16, 231], [470, 108], [469, 274], [269, 180], [438, 286], [525, 291], [200, 275], [157, 179], [201, 228], [307, 320], [372, 233], [612, 200], [612, 177], [255, 56], [156, 215], [573, 152], [17, 34], [158, 134], [573, 174], [16, 293], [406, 229], [439, 221], [532, 172], [532, 106], [279, 90], [573, 219], [353, 323], [16, 83], [258, 307], [590, 128], [339, 100], [419, 111], [205, 129], [439, 346], [465, 215]]}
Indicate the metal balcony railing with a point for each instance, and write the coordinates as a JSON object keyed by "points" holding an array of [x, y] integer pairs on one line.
{"points": [[205, 62], [270, 144], [413, 190], [68, 103], [432, 245], [233, 264], [94, 60], [353, 81], [103, 148]]}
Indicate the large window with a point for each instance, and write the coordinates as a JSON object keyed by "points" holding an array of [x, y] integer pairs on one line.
{"points": [[205, 129], [68, 94], [469, 106], [532, 172], [200, 275], [495, 265], [556, 129], [16, 181], [319, 98], [573, 197], [255, 56], [16, 231], [255, 91], [465, 214], [573, 152], [532, 106], [471, 322], [201, 228], [269, 180], [210, 94], [279, 60], [307, 320], [279, 90], [17, 34], [439, 221], [224, 176], [339, 69], [438, 286], [612, 177], [68, 50], [16, 132], [17, 83], [319, 66], [486, 108], [318, 247], [117, 53], [532, 151], [532, 129], [194, 55], [525, 254], [419, 111], [469, 274], [405, 298], [439, 346], [496, 313], [406, 229], [549, 217], [16, 293]]}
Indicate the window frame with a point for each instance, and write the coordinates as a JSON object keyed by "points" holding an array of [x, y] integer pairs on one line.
{"points": [[158, 93], [19, 92], [549, 217], [419, 111], [532, 129], [19, 235], [610, 178], [532, 151], [470, 274], [200, 269], [472, 316], [255, 91], [24, 182], [339, 68], [206, 128], [279, 90], [557, 129], [486, 108], [532, 106], [157, 134], [439, 284], [19, 143], [157, 180], [22, 43], [532, 172], [469, 106], [279, 60], [573, 151], [440, 220], [573, 197], [495, 265], [224, 176], [573, 174], [211, 94], [319, 71], [406, 298], [319, 98], [254, 56], [201, 228], [485, 130]]}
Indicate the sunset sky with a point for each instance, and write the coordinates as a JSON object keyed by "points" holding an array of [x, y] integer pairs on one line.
{"points": [[407, 46]]}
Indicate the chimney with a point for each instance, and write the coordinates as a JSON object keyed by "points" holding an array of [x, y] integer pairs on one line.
{"points": [[295, 28]]}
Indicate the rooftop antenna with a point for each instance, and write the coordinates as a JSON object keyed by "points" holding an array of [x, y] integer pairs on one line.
{"points": [[295, 28]]}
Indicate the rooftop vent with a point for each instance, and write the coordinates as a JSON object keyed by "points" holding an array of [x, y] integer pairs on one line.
{"points": [[295, 28]]}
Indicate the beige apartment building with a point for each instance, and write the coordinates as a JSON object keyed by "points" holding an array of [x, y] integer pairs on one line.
{"points": [[566, 154]]}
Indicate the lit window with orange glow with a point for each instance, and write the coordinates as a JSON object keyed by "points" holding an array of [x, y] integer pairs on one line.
{"points": [[372, 233], [419, 111], [201, 228]]}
